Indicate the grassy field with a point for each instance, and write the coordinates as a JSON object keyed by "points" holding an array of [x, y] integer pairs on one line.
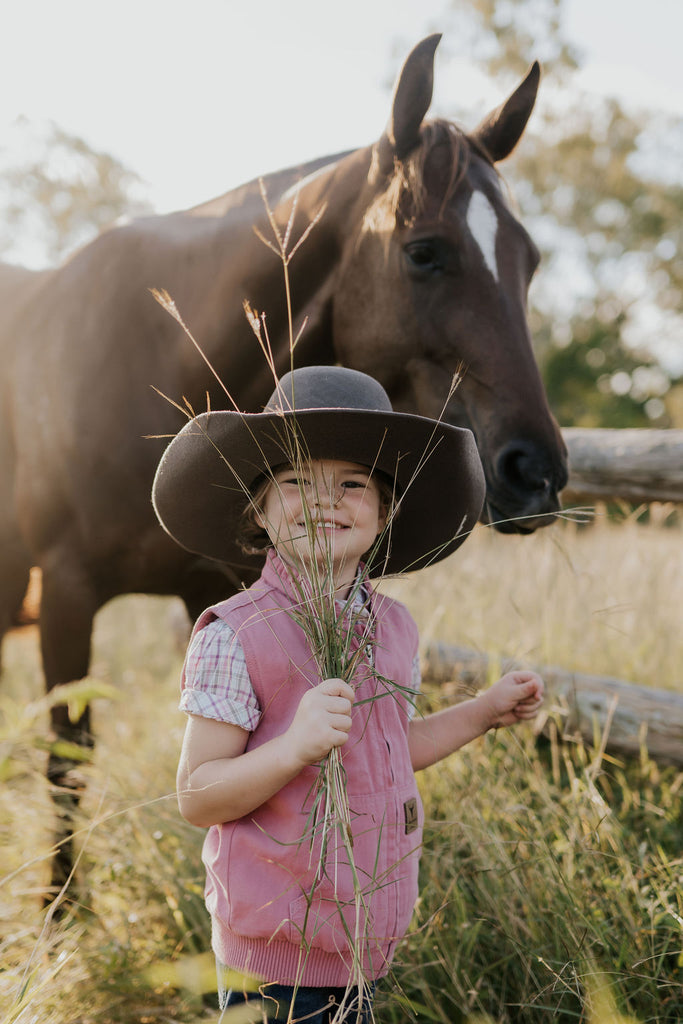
{"points": [[552, 878]]}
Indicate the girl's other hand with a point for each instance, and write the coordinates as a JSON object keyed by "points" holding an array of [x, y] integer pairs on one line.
{"points": [[322, 720], [516, 697]]}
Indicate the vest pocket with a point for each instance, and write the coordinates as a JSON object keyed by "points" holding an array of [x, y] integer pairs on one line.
{"points": [[335, 926], [387, 833]]}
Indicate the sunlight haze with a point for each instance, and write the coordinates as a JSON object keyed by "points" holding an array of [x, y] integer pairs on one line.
{"points": [[197, 98]]}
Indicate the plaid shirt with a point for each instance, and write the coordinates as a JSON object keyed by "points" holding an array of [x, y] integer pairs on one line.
{"points": [[217, 683]]}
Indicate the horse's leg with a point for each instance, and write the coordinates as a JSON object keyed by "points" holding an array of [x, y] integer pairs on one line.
{"points": [[15, 567], [201, 587], [67, 611]]}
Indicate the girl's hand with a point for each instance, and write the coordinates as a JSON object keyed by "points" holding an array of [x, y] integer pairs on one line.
{"points": [[322, 720], [516, 697]]}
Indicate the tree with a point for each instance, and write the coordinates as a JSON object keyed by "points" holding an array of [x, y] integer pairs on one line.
{"points": [[60, 194]]}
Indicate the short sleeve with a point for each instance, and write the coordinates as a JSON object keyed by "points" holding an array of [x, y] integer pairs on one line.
{"points": [[216, 679]]}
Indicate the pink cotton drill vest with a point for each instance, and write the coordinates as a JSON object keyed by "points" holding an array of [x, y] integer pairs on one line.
{"points": [[260, 870]]}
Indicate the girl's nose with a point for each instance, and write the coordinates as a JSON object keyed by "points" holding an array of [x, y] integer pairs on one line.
{"points": [[328, 496]]}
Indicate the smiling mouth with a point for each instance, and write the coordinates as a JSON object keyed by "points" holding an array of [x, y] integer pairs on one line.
{"points": [[322, 524]]}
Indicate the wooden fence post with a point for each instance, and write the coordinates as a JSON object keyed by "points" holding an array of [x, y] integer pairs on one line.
{"points": [[638, 716], [633, 464]]}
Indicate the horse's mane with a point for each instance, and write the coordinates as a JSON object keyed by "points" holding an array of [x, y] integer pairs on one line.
{"points": [[406, 192]]}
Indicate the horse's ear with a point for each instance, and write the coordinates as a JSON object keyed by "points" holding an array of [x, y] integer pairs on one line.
{"points": [[500, 132], [412, 96]]}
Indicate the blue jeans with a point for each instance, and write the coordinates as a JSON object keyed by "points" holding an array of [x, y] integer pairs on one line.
{"points": [[310, 1003]]}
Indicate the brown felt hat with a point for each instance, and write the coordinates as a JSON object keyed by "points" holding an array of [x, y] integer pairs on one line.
{"points": [[325, 412]]}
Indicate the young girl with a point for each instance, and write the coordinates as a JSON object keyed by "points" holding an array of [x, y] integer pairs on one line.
{"points": [[340, 489]]}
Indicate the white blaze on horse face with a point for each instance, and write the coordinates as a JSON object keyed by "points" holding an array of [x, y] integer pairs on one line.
{"points": [[483, 225]]}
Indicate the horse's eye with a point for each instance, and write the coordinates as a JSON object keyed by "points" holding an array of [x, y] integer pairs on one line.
{"points": [[423, 256]]}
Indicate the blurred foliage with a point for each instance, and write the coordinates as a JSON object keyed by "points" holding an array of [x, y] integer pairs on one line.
{"points": [[506, 35], [599, 188], [596, 381], [61, 192]]}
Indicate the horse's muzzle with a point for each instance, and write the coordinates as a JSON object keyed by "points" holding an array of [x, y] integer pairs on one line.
{"points": [[522, 494]]}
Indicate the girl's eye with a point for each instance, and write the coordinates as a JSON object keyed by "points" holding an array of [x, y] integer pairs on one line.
{"points": [[348, 484], [294, 481]]}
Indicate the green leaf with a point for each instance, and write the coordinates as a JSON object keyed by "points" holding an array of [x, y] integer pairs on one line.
{"points": [[79, 694], [197, 974], [64, 748], [423, 1012]]}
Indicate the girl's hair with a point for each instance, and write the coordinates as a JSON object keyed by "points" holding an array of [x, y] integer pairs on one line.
{"points": [[251, 536], [253, 539]]}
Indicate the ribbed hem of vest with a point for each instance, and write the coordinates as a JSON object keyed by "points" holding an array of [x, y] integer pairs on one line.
{"points": [[280, 962]]}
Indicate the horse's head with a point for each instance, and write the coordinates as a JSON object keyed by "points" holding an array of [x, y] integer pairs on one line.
{"points": [[435, 284]]}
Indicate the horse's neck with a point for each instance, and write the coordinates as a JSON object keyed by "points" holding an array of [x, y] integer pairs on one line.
{"points": [[275, 184], [251, 272], [18, 288]]}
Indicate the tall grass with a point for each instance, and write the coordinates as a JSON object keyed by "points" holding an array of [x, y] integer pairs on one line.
{"points": [[533, 887], [551, 884], [604, 599]]}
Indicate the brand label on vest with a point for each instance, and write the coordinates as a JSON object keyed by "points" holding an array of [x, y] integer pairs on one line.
{"points": [[410, 814]]}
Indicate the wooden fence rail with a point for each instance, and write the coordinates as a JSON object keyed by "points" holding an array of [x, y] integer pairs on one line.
{"points": [[631, 716], [631, 464]]}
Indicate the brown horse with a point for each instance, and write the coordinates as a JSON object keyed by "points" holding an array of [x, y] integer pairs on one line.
{"points": [[416, 267]]}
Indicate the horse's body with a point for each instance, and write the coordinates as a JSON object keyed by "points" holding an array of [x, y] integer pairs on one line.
{"points": [[416, 267]]}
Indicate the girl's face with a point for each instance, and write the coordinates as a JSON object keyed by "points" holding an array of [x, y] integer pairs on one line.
{"points": [[327, 511]]}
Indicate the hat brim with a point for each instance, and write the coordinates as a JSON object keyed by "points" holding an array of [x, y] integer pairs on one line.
{"points": [[201, 485]]}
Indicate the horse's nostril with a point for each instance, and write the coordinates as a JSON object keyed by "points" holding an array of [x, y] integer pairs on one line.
{"points": [[520, 466]]}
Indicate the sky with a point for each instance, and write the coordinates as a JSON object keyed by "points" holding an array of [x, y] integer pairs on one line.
{"points": [[197, 96]]}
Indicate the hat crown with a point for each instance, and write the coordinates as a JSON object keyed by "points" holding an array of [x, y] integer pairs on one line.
{"points": [[328, 387]]}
